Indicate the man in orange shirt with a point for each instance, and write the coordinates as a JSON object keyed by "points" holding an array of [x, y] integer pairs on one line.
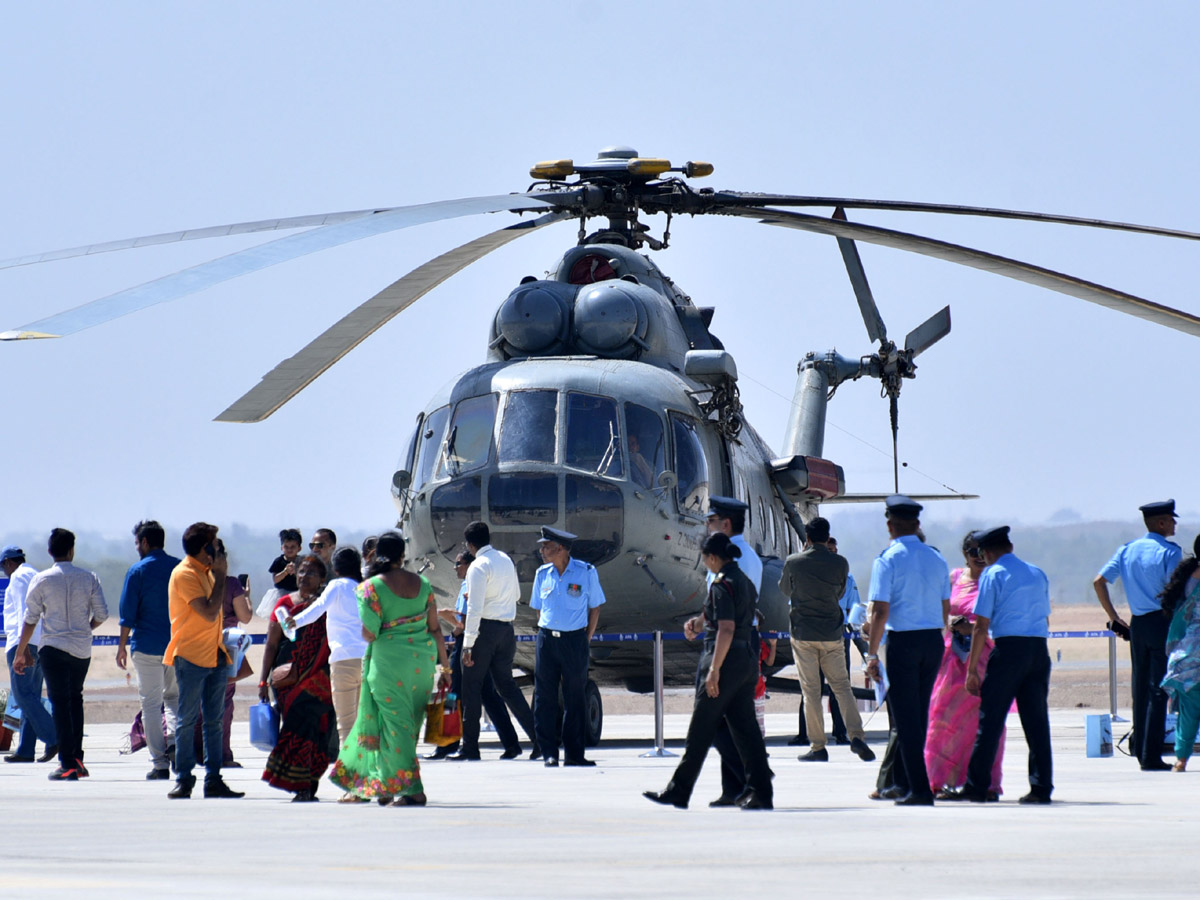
{"points": [[196, 595]]}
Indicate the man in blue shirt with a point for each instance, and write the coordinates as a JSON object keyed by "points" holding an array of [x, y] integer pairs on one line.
{"points": [[910, 595], [1144, 566], [567, 592], [146, 615], [1014, 603]]}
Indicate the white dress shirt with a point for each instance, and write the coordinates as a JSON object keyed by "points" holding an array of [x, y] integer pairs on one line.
{"points": [[343, 626], [492, 591], [67, 599], [14, 607]]}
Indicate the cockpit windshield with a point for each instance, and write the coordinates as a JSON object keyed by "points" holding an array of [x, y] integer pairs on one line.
{"points": [[593, 436], [469, 442], [527, 432], [432, 430]]}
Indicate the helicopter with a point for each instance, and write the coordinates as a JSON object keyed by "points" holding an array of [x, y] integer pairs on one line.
{"points": [[606, 405]]}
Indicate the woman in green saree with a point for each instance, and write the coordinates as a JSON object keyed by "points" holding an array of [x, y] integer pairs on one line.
{"points": [[404, 651]]}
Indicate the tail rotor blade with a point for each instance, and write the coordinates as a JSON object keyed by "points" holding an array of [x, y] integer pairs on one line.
{"points": [[876, 330], [928, 332]]}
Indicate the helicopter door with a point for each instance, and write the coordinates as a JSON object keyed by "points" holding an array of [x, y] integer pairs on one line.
{"points": [[691, 467]]}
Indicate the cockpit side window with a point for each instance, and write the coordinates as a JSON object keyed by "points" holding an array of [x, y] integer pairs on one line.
{"points": [[593, 436], [468, 444], [690, 466], [527, 431], [430, 445], [647, 445]]}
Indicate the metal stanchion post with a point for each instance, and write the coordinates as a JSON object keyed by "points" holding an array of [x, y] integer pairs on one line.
{"points": [[1112, 678], [659, 749]]}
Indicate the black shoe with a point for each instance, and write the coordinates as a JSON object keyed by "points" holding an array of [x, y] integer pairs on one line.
{"points": [[821, 755], [799, 740], [441, 752], [232, 764], [14, 757], [535, 753], [963, 795], [158, 775], [460, 756], [916, 800], [218, 789], [1156, 765], [51, 752], [578, 762], [61, 774], [511, 753], [666, 798], [551, 762], [182, 790], [83, 773], [726, 800], [754, 800], [1032, 799], [302, 797], [860, 749]]}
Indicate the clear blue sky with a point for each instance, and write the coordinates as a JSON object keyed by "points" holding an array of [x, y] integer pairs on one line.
{"points": [[133, 118]]}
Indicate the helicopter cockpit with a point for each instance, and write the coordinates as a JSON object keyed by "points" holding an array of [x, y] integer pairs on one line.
{"points": [[520, 457]]}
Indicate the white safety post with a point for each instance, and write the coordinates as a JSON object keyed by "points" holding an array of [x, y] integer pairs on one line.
{"points": [[659, 749], [1112, 678]]}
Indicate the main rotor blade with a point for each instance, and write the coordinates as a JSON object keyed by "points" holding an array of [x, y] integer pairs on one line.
{"points": [[876, 330], [294, 374], [928, 332], [205, 275], [741, 199], [988, 262], [193, 234]]}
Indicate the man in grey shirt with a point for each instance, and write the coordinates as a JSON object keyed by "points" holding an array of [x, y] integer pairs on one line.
{"points": [[815, 579], [70, 604]]}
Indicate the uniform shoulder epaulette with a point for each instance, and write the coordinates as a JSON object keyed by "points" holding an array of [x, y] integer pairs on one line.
{"points": [[720, 576]]}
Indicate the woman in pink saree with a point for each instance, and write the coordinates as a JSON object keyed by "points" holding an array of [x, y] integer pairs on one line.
{"points": [[953, 713]]}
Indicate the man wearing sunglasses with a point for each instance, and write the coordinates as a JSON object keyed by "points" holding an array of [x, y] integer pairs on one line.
{"points": [[323, 543]]}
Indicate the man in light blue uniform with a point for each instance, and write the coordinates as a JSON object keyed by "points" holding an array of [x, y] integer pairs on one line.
{"points": [[728, 516], [910, 595], [1144, 566], [1014, 604], [568, 593]]}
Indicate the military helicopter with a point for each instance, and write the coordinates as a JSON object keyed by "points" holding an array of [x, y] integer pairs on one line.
{"points": [[605, 405]]}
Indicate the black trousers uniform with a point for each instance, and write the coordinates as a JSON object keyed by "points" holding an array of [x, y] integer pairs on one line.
{"points": [[493, 653], [562, 661], [1147, 649], [913, 659], [496, 711], [1018, 669], [734, 708]]}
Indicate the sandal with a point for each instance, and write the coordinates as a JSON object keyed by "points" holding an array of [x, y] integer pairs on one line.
{"points": [[352, 798], [410, 800], [383, 800]]}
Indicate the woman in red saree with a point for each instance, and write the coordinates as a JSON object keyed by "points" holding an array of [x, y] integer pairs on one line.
{"points": [[301, 754], [953, 713]]}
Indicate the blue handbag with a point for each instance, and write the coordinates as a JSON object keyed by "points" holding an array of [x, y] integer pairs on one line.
{"points": [[264, 726]]}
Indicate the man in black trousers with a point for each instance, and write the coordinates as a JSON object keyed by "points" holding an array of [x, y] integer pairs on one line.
{"points": [[1014, 602], [910, 596]]}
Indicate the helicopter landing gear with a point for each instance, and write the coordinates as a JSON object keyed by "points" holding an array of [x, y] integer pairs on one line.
{"points": [[593, 720]]}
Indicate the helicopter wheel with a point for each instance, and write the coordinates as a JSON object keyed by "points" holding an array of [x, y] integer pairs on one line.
{"points": [[593, 721]]}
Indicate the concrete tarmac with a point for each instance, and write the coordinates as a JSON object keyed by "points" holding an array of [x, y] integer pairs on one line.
{"points": [[517, 829]]}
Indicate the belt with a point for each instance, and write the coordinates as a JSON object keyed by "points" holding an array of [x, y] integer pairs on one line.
{"points": [[498, 621], [558, 634]]}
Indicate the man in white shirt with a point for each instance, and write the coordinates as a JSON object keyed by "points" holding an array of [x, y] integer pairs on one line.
{"points": [[489, 642], [36, 721]]}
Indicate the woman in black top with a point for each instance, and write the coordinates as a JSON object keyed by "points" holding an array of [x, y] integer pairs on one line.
{"points": [[730, 668]]}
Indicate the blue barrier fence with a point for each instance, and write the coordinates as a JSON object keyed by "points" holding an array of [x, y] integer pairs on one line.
{"points": [[110, 640]]}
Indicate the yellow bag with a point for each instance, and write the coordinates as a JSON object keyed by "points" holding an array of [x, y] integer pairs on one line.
{"points": [[442, 727]]}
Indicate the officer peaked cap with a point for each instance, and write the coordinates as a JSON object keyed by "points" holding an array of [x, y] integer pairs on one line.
{"points": [[724, 506], [1160, 508], [990, 538], [899, 506], [558, 537]]}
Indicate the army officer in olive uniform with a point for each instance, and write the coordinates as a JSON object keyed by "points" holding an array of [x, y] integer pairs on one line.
{"points": [[567, 592]]}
